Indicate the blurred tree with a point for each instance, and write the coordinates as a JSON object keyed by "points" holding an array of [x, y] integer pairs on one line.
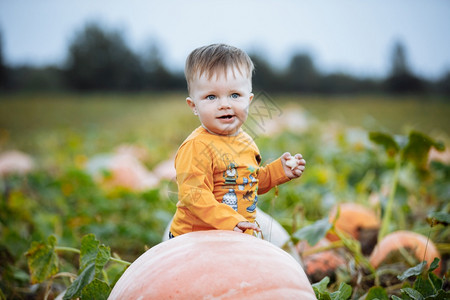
{"points": [[338, 83], [3, 68], [48, 78], [100, 60], [265, 78], [341, 83], [401, 79], [399, 64], [443, 85], [157, 76], [301, 74]]}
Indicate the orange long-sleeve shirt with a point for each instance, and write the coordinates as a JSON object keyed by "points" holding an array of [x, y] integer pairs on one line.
{"points": [[219, 180]]}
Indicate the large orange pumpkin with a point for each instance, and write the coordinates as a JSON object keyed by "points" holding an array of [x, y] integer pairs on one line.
{"points": [[418, 245], [214, 264], [271, 230]]}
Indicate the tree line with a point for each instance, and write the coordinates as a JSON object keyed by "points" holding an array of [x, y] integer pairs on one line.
{"points": [[99, 59]]}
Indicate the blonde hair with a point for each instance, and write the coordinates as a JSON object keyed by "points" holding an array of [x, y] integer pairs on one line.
{"points": [[215, 58]]}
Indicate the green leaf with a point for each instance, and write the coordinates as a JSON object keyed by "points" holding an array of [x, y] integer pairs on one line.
{"points": [[424, 286], [42, 260], [412, 293], [80, 282], [414, 271], [434, 265], [320, 289], [314, 232], [343, 293], [395, 297], [103, 256], [93, 257], [322, 296], [442, 295], [346, 290], [377, 292], [89, 250], [322, 285], [386, 140], [96, 290], [92, 252], [416, 151], [439, 217], [437, 282]]}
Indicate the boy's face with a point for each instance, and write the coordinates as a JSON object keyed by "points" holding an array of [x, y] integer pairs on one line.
{"points": [[221, 102]]}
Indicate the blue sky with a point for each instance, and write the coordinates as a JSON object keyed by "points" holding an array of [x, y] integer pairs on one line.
{"points": [[354, 36]]}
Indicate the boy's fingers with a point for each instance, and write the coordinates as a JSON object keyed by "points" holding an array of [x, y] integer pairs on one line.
{"points": [[298, 156], [257, 229], [237, 229], [286, 155], [242, 226], [247, 226]]}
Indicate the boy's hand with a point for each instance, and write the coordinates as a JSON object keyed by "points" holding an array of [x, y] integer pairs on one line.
{"points": [[243, 226], [293, 165]]}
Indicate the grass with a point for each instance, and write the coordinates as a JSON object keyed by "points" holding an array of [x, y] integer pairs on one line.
{"points": [[35, 123], [394, 114], [99, 122]]}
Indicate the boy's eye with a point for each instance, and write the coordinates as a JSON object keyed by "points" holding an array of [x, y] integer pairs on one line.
{"points": [[210, 97], [234, 95]]}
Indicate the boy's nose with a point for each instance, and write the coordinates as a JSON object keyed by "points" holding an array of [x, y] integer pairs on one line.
{"points": [[224, 103]]}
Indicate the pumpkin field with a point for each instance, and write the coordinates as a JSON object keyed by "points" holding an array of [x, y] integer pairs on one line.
{"points": [[87, 186]]}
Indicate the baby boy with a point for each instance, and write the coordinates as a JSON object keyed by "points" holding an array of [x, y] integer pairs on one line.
{"points": [[218, 166]]}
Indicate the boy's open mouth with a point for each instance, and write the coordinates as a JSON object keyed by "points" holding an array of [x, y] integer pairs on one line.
{"points": [[226, 117]]}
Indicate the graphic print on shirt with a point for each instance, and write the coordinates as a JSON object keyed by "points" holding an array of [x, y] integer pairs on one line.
{"points": [[252, 180], [230, 173], [243, 188], [252, 207], [230, 199], [248, 196]]}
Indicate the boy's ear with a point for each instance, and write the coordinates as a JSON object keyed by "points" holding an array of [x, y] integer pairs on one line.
{"points": [[251, 97], [191, 104]]}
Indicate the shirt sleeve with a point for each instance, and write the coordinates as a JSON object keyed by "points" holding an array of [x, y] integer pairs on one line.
{"points": [[271, 175], [194, 167]]}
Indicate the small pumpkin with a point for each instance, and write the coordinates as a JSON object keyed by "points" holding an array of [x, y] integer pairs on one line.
{"points": [[122, 170], [358, 221], [214, 264], [320, 264], [414, 243], [15, 162], [166, 170]]}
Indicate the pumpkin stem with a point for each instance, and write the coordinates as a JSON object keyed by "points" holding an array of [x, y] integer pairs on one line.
{"points": [[67, 249], [74, 250], [354, 247], [120, 261], [388, 212], [331, 246]]}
